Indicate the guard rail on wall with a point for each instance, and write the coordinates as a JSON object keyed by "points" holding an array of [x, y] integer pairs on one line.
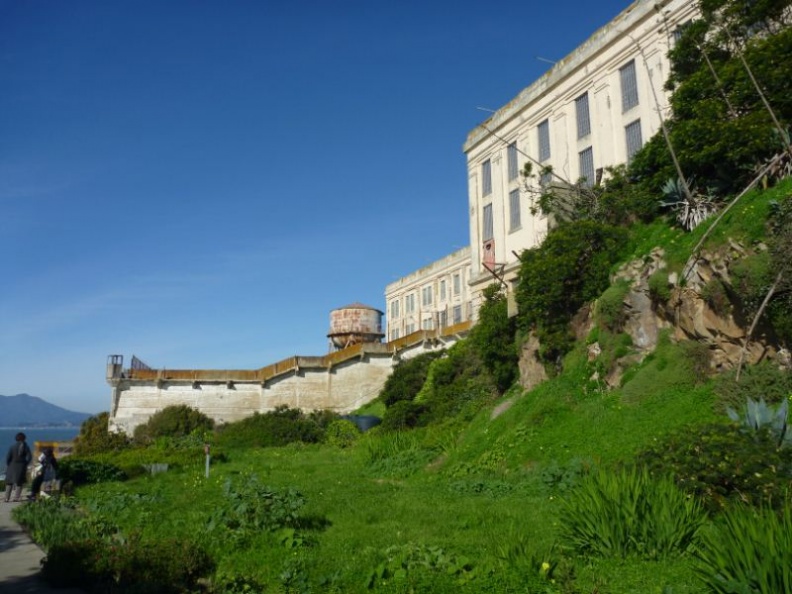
{"points": [[295, 363]]}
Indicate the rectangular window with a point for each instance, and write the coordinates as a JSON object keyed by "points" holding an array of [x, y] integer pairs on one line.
{"points": [[457, 314], [543, 131], [629, 86], [632, 134], [442, 290], [409, 329], [583, 119], [486, 178], [457, 284], [586, 161], [409, 303], [514, 210], [511, 153], [487, 231], [394, 334], [427, 324], [394, 309], [426, 296], [443, 319]]}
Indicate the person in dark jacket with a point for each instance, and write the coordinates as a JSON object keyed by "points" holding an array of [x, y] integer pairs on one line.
{"points": [[17, 460]]}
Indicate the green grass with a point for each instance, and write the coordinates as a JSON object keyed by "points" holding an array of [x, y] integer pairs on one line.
{"points": [[473, 492]]}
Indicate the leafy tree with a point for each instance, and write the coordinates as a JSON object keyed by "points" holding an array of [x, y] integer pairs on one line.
{"points": [[557, 278], [493, 337], [720, 128], [95, 437]]}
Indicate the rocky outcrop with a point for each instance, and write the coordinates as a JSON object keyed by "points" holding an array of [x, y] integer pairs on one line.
{"points": [[685, 312]]}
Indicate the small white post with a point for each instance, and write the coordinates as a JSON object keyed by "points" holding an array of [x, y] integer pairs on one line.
{"points": [[206, 451]]}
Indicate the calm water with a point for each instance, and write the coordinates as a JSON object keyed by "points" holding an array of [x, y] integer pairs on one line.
{"points": [[34, 435]]}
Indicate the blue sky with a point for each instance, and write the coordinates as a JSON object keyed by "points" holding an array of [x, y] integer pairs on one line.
{"points": [[200, 183]]}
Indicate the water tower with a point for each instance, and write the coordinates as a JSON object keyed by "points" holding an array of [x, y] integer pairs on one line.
{"points": [[354, 324]]}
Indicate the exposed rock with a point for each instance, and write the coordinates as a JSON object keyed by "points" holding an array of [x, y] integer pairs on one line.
{"points": [[594, 351], [532, 371]]}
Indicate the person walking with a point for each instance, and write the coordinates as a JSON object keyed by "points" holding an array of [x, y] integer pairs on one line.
{"points": [[46, 473], [17, 460]]}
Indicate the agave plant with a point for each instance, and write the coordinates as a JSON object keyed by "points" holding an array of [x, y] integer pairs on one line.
{"points": [[690, 209], [758, 416]]}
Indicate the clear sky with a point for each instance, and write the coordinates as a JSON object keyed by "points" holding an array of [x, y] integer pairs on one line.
{"points": [[201, 183]]}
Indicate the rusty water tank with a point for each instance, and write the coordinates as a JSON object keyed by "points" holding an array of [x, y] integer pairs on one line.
{"points": [[354, 324]]}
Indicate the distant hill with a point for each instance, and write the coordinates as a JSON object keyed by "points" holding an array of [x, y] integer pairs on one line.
{"points": [[24, 410]]}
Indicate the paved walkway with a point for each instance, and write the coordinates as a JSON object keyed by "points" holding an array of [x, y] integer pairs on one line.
{"points": [[20, 559]]}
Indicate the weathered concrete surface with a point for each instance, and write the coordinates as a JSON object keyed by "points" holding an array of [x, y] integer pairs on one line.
{"points": [[342, 382]]}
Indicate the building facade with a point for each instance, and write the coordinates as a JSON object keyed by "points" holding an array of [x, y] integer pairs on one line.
{"points": [[432, 298], [593, 109]]}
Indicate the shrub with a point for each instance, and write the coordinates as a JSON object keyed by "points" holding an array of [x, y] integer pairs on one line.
{"points": [[569, 269], [85, 472], [611, 313], [493, 337], [747, 551], [751, 279], [720, 464], [757, 416], [249, 507], [714, 294], [407, 378], [342, 433], [279, 427], [628, 512], [95, 437], [765, 380], [173, 421], [144, 567], [659, 287]]}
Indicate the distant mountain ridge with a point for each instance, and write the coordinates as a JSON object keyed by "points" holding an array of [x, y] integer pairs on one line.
{"points": [[24, 410]]}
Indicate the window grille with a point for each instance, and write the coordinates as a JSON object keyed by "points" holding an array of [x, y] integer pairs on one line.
{"points": [[583, 119], [629, 86]]}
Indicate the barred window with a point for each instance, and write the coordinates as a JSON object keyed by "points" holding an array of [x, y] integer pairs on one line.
{"points": [[583, 119], [632, 133], [511, 153], [442, 290], [395, 309], [486, 178], [543, 131], [426, 296], [487, 232], [514, 210], [629, 86], [409, 303], [586, 160]]}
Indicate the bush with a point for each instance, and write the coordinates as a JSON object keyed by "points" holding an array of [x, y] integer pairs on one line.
{"points": [[659, 287], [747, 551], [407, 378], [342, 433], [751, 279], [569, 269], [173, 421], [250, 507], [95, 437], [493, 337], [714, 294], [143, 567], [86, 472], [720, 464], [611, 313], [765, 380], [279, 427], [628, 512]]}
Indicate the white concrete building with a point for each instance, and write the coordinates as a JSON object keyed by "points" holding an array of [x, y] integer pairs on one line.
{"points": [[593, 109], [431, 298]]}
